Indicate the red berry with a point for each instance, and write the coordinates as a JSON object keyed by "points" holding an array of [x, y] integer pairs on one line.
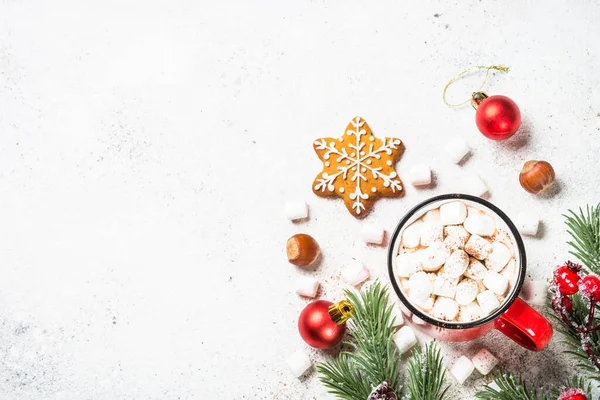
{"points": [[566, 279], [567, 304], [572, 394], [590, 287]]}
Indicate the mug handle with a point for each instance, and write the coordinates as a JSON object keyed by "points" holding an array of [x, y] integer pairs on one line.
{"points": [[525, 326]]}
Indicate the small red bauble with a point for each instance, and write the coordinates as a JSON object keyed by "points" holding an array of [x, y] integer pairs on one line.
{"points": [[589, 287], [497, 117], [566, 279], [572, 394], [317, 328], [560, 303]]}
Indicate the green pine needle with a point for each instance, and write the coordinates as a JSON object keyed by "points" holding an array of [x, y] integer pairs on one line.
{"points": [[374, 358], [513, 387], [426, 374], [584, 228]]}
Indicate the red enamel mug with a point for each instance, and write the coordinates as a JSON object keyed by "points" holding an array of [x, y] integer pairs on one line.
{"points": [[514, 318]]}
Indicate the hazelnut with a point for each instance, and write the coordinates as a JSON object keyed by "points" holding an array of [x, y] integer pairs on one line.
{"points": [[536, 176], [302, 250]]}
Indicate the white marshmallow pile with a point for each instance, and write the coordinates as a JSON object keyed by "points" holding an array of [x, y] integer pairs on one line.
{"points": [[295, 210], [299, 363], [527, 224], [462, 369], [455, 264], [405, 339], [457, 149], [535, 292], [420, 175], [484, 361], [372, 233], [307, 286], [355, 273]]}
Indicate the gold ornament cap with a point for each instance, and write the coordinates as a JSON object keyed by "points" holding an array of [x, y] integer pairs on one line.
{"points": [[341, 312], [477, 98]]}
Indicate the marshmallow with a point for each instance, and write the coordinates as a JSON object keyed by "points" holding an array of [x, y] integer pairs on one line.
{"points": [[470, 312], [494, 386], [307, 286], [295, 210], [478, 247], [462, 369], [404, 283], [445, 309], [397, 316], [503, 237], [299, 363], [420, 287], [498, 258], [434, 257], [425, 305], [487, 301], [474, 186], [418, 321], [431, 232], [510, 272], [475, 270], [455, 237], [355, 273], [407, 264], [527, 224], [481, 224], [453, 213], [466, 292], [405, 339], [535, 292], [372, 233], [484, 361], [457, 149], [432, 215], [456, 264], [420, 175], [444, 286], [495, 282], [411, 236]]}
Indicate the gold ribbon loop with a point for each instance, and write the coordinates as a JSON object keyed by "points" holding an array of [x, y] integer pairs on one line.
{"points": [[502, 68]]}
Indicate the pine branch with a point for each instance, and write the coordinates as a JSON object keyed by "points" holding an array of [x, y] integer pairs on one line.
{"points": [[371, 328], [512, 388], [353, 375], [584, 228], [572, 338], [342, 378], [576, 382], [426, 374]]}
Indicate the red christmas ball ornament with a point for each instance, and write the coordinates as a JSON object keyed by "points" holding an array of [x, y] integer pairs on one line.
{"points": [[589, 287], [572, 394], [566, 279], [497, 117], [322, 323]]}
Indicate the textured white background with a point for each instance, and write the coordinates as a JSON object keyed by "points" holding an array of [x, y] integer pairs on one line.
{"points": [[147, 148]]}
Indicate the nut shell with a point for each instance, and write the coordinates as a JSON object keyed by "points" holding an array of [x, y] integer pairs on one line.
{"points": [[536, 176], [302, 250]]}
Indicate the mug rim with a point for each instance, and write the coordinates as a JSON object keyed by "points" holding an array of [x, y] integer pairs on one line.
{"points": [[458, 325]]}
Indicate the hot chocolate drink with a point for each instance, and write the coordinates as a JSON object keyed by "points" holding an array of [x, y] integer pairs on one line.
{"points": [[455, 264]]}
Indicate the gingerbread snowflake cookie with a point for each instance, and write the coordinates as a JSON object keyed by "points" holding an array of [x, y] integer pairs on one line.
{"points": [[358, 167]]}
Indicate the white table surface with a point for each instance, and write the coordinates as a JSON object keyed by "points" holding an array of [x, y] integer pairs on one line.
{"points": [[147, 148]]}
